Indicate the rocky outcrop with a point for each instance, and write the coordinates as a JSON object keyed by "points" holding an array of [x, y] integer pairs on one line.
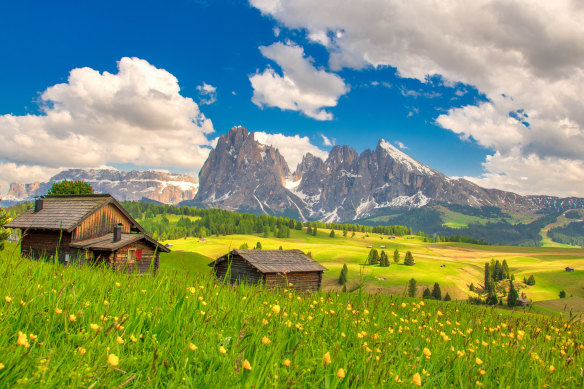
{"points": [[162, 187]]}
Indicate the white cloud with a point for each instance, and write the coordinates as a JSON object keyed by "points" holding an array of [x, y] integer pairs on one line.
{"points": [[136, 116], [292, 148], [301, 87], [521, 55], [400, 145], [326, 141], [208, 93]]}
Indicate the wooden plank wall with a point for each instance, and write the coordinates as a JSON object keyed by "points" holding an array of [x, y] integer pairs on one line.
{"points": [[300, 281], [119, 261], [41, 243], [101, 222], [240, 269]]}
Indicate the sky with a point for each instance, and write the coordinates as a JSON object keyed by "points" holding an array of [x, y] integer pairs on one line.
{"points": [[487, 90]]}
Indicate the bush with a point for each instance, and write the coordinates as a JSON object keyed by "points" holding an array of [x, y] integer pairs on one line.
{"points": [[70, 187], [562, 294]]}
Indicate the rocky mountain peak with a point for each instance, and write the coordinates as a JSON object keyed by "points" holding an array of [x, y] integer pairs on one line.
{"points": [[341, 157]]}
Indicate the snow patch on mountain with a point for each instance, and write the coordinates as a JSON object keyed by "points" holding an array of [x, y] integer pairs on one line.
{"points": [[410, 163]]}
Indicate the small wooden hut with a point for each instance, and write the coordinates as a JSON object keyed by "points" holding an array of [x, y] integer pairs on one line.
{"points": [[273, 268], [91, 228]]}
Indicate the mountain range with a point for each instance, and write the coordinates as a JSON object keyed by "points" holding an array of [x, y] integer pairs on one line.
{"points": [[157, 186], [244, 175]]}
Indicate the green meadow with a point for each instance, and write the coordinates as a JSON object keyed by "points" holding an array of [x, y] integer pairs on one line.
{"points": [[87, 327], [463, 263]]}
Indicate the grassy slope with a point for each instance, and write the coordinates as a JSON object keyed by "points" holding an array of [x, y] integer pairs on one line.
{"points": [[168, 332], [464, 262], [546, 240]]}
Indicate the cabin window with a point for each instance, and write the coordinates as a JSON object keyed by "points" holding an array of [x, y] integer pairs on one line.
{"points": [[66, 257], [131, 255], [138, 255]]}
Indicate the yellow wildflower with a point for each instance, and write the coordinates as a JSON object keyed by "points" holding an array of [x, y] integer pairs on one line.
{"points": [[341, 373], [403, 305], [143, 291], [1, 366], [417, 379], [482, 372], [58, 311], [119, 340], [202, 313], [276, 309], [8, 299], [193, 347], [33, 336], [133, 338], [427, 352], [113, 360], [22, 340], [94, 327], [222, 350], [552, 368], [81, 350], [72, 318], [439, 313], [105, 302], [287, 362], [246, 365], [265, 340], [327, 357], [479, 383], [118, 284], [478, 361]]}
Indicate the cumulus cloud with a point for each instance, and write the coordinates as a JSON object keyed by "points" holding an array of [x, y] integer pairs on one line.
{"points": [[524, 57], [207, 93], [135, 116], [300, 87], [400, 145], [292, 148]]}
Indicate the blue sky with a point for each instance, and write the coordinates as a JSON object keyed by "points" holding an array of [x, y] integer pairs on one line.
{"points": [[427, 81]]}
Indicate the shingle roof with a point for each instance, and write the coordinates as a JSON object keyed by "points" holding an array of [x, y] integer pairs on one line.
{"points": [[66, 212], [276, 261], [106, 243]]}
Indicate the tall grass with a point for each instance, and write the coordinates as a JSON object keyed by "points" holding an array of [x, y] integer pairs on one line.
{"points": [[79, 326]]}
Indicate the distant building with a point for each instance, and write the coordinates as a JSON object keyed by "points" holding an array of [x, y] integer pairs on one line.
{"points": [[569, 268], [522, 302], [202, 240], [273, 268], [90, 228], [382, 247]]}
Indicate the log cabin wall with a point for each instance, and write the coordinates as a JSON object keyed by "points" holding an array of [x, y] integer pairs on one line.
{"points": [[39, 244], [300, 281], [240, 269], [101, 222], [119, 261]]}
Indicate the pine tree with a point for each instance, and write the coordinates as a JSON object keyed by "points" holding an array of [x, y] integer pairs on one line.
{"points": [[512, 296], [531, 280], [409, 260], [332, 234], [353, 234], [436, 292], [314, 230], [427, 295], [562, 294], [383, 260], [244, 246], [309, 230], [396, 256], [280, 248], [258, 246], [471, 287], [344, 233], [487, 275], [343, 276], [492, 299], [505, 267], [447, 297], [498, 274], [266, 231], [412, 288], [298, 226]]}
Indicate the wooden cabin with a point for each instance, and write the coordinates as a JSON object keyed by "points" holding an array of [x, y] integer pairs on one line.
{"points": [[90, 228], [273, 268], [522, 302], [569, 269]]}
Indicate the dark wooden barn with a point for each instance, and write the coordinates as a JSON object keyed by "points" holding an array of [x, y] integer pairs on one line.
{"points": [[273, 268], [91, 228]]}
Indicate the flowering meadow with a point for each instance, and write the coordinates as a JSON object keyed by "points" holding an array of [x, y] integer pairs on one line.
{"points": [[84, 327]]}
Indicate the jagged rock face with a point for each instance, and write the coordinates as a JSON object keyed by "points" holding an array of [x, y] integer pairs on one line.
{"points": [[243, 174], [167, 188]]}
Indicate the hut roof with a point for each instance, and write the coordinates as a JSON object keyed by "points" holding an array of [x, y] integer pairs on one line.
{"points": [[106, 243], [66, 212], [275, 261]]}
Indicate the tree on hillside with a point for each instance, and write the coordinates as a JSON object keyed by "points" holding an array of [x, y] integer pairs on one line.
{"points": [[244, 246], [436, 292], [489, 284], [70, 187], [332, 234], [409, 259], [344, 233], [471, 287], [3, 233], [266, 231], [412, 288], [309, 230], [498, 274], [512, 296], [396, 256], [383, 260], [562, 294], [531, 280], [280, 248], [258, 246], [298, 226], [373, 257], [343, 276], [447, 297], [353, 234], [427, 295], [492, 299], [505, 267], [314, 231]]}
